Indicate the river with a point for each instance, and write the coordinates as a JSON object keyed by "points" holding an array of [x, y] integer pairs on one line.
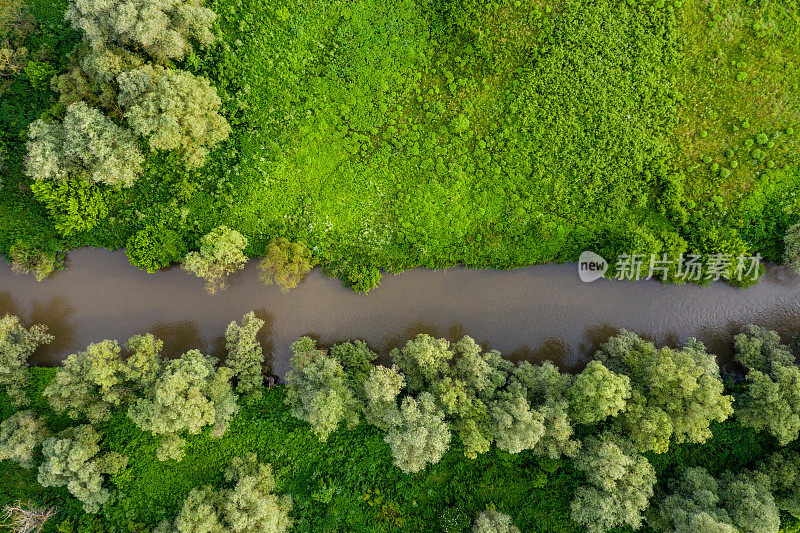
{"points": [[536, 313]]}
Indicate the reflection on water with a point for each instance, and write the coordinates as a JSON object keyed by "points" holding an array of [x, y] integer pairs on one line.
{"points": [[534, 314]]}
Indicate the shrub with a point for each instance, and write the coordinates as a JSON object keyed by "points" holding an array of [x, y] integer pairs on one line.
{"points": [[317, 391], [174, 110], [188, 394], [249, 506], [27, 258], [73, 459], [362, 277], [418, 434], [86, 145], [155, 247], [620, 485], [245, 356], [17, 344], [20, 435], [220, 255], [791, 245], [74, 205], [162, 28], [285, 264], [493, 521]]}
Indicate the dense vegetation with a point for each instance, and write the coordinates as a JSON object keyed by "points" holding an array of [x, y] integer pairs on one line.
{"points": [[448, 438], [387, 135]]}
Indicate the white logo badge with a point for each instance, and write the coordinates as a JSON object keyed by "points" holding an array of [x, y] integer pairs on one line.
{"points": [[591, 266]]}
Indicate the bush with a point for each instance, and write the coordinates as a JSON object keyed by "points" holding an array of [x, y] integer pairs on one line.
{"points": [[245, 356], [362, 278], [286, 264], [20, 435], [493, 521], [791, 244], [29, 259], [17, 344], [220, 255], [74, 205], [162, 28], [86, 145], [155, 247], [174, 110], [73, 459]]}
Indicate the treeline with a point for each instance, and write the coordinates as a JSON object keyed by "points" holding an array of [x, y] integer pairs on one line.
{"points": [[633, 403]]}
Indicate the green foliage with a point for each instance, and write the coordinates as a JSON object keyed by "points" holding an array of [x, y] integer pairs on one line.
{"points": [[245, 355], [620, 485], [17, 344], [188, 394], [74, 205], [20, 435], [285, 264], [220, 255], [86, 145], [174, 110], [597, 393], [791, 246], [381, 390], [26, 258], [317, 390], [73, 459], [155, 247], [676, 394], [163, 28], [782, 468]]}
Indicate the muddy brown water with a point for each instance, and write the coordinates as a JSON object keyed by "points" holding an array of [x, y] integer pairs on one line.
{"points": [[537, 313]]}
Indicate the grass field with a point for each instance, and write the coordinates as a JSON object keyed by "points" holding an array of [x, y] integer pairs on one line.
{"points": [[491, 134]]}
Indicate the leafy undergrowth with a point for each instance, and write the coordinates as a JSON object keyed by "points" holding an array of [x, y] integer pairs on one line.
{"points": [[492, 134], [348, 483]]}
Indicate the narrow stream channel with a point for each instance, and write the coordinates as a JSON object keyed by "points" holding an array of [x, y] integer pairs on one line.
{"points": [[542, 312]]}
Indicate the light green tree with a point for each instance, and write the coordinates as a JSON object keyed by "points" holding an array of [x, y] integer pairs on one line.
{"points": [[424, 361], [20, 436], [782, 469], [221, 253], [515, 427], [93, 382], [791, 246], [17, 344], [285, 263], [381, 390], [750, 504], [620, 484], [73, 459], [189, 394], [675, 394], [85, 145], [245, 355], [597, 393], [757, 348], [317, 391], [249, 505], [173, 110], [493, 521], [693, 505], [162, 28], [29, 259], [418, 434]]}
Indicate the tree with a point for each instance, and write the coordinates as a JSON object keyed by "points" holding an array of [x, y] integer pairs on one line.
{"points": [[772, 398], [424, 361], [221, 253], [20, 435], [493, 521], [694, 505], [356, 359], [162, 28], [317, 391], [791, 246], [285, 264], [189, 394], [174, 110], [620, 484], [86, 145], [93, 382], [514, 426], [418, 434], [17, 344], [675, 394], [750, 504], [381, 390], [597, 393], [782, 468], [245, 356], [250, 505], [73, 459], [155, 247], [29, 259]]}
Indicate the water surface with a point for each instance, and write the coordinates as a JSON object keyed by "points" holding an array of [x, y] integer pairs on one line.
{"points": [[541, 312]]}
